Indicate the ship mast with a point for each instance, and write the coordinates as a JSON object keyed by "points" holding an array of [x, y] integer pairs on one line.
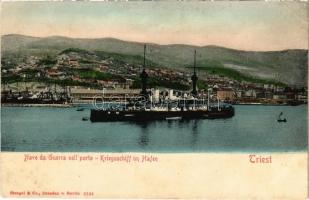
{"points": [[144, 57], [144, 76], [194, 77]]}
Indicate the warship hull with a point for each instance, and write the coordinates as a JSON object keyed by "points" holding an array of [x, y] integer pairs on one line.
{"points": [[144, 115]]}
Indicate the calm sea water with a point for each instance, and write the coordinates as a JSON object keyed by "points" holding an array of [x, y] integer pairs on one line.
{"points": [[252, 129]]}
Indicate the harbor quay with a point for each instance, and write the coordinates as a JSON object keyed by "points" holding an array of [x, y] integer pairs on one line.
{"points": [[82, 95]]}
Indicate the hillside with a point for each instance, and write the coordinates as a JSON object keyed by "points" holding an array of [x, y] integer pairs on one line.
{"points": [[288, 66]]}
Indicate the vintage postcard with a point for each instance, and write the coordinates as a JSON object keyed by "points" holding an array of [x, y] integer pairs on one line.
{"points": [[156, 99]]}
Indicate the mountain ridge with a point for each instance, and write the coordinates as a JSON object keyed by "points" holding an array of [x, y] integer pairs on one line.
{"points": [[289, 66], [149, 43]]}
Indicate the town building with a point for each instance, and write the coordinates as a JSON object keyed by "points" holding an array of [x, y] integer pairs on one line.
{"points": [[226, 94]]}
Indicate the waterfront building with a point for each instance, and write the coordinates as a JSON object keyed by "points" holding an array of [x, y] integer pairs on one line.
{"points": [[250, 93], [226, 94], [84, 94], [279, 97]]}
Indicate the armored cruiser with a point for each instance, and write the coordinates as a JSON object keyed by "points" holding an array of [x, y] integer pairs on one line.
{"points": [[145, 109]]}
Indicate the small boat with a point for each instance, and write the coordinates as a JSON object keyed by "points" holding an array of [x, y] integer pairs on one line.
{"points": [[80, 109], [173, 118], [85, 118], [280, 119]]}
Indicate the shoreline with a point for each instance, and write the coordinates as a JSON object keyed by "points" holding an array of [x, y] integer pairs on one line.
{"points": [[39, 105], [86, 103], [265, 104]]}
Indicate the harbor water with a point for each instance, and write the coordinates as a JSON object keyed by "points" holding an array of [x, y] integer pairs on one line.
{"points": [[252, 129]]}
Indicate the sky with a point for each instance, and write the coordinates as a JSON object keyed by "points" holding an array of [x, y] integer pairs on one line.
{"points": [[239, 25]]}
